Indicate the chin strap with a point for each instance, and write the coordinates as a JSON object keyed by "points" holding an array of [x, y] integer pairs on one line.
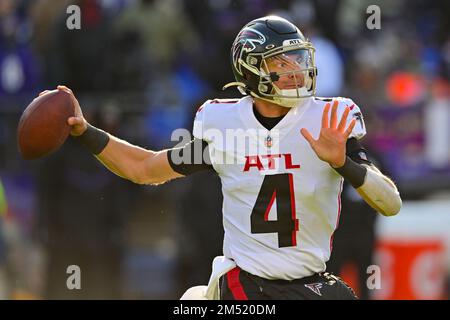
{"points": [[242, 89], [240, 86]]}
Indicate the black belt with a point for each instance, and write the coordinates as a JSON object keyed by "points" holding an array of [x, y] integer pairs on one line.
{"points": [[317, 277]]}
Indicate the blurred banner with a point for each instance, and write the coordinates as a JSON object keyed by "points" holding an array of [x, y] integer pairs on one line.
{"points": [[413, 252]]}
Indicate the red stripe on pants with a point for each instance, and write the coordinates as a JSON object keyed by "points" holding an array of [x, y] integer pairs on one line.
{"points": [[235, 285]]}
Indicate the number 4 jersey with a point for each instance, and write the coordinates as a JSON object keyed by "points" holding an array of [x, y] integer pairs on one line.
{"points": [[281, 202]]}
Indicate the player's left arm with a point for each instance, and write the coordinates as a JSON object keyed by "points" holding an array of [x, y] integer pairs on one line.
{"points": [[375, 188], [378, 190]]}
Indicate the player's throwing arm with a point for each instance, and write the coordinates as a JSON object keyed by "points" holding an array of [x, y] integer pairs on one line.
{"points": [[128, 161]]}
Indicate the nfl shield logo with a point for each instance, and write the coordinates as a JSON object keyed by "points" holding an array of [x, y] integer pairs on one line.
{"points": [[268, 142]]}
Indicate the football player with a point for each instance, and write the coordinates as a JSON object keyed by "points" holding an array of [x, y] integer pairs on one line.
{"points": [[281, 191]]}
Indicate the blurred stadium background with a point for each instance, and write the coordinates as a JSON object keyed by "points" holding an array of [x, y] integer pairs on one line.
{"points": [[139, 69]]}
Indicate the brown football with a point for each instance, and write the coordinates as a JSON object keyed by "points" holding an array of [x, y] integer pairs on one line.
{"points": [[43, 125]]}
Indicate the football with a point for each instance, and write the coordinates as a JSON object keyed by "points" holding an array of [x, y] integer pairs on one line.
{"points": [[43, 125]]}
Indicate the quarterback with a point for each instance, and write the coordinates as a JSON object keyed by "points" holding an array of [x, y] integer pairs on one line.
{"points": [[281, 201]]}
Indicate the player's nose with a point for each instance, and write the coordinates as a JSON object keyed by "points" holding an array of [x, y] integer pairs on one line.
{"points": [[296, 78]]}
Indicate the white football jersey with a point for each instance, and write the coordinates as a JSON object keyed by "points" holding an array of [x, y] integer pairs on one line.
{"points": [[281, 203]]}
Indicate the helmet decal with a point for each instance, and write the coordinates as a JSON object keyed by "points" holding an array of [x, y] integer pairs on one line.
{"points": [[291, 42], [245, 42]]}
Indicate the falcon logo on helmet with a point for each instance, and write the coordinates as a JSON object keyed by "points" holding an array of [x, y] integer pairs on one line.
{"points": [[245, 41]]}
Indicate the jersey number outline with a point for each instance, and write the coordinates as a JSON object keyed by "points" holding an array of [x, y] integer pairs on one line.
{"points": [[281, 188]]}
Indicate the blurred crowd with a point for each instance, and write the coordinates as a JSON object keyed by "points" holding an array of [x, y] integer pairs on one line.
{"points": [[140, 69]]}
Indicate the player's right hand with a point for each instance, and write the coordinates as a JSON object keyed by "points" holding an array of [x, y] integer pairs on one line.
{"points": [[78, 123]]}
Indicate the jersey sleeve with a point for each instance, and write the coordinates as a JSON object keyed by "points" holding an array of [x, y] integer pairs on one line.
{"points": [[359, 131], [199, 122], [191, 158]]}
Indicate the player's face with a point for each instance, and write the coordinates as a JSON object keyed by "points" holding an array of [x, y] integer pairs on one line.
{"points": [[290, 67]]}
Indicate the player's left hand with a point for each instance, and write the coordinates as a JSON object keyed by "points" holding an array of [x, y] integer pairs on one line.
{"points": [[330, 146]]}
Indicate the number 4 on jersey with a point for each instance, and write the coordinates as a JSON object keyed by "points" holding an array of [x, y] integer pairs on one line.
{"points": [[279, 187]]}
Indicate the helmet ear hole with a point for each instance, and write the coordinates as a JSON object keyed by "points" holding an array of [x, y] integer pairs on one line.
{"points": [[263, 88], [252, 60]]}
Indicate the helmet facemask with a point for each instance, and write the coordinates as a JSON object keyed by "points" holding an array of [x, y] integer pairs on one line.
{"points": [[287, 75]]}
